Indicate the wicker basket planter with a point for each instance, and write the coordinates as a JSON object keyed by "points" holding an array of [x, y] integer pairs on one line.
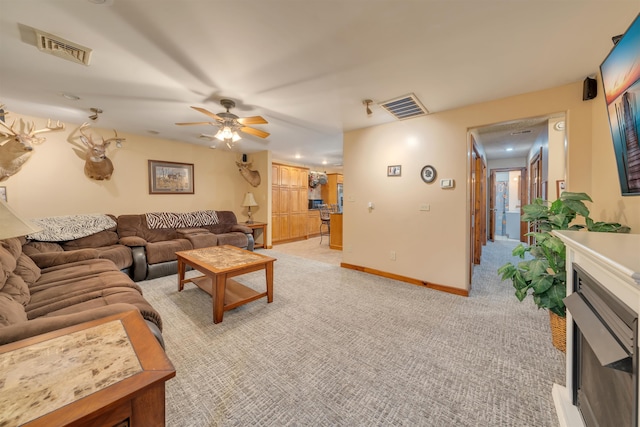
{"points": [[558, 331]]}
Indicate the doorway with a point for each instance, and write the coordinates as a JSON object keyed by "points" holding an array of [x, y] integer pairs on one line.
{"points": [[508, 193]]}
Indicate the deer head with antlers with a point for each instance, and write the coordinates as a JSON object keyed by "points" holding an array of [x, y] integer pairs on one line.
{"points": [[97, 165], [16, 144]]}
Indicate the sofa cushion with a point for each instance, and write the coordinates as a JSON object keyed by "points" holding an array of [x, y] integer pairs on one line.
{"points": [[202, 240], [67, 273], [16, 288], [27, 269], [166, 250], [35, 247], [11, 311], [97, 240], [236, 239], [49, 259]]}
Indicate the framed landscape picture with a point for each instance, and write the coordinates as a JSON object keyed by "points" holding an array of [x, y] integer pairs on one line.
{"points": [[170, 177]]}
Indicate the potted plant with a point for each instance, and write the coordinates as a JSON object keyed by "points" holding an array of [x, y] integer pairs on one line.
{"points": [[542, 274]]}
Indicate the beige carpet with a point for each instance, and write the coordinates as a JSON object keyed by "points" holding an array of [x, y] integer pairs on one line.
{"points": [[311, 249], [338, 347]]}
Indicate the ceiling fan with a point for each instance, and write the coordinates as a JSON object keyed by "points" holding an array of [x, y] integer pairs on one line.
{"points": [[229, 124]]}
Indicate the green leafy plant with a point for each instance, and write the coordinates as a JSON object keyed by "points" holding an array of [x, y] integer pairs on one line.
{"points": [[543, 274]]}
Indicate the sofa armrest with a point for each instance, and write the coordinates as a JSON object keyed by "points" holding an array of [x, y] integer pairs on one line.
{"points": [[41, 325], [139, 265], [132, 241], [51, 259], [242, 228]]}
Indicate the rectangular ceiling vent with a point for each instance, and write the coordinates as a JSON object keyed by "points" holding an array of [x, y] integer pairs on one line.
{"points": [[62, 48], [405, 107]]}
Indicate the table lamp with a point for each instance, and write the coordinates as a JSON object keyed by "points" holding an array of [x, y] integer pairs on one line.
{"points": [[249, 201], [12, 225]]}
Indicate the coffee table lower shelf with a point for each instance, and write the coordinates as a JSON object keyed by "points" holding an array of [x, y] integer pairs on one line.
{"points": [[235, 295]]}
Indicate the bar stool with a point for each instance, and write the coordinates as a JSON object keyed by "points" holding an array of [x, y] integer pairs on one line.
{"points": [[325, 218]]}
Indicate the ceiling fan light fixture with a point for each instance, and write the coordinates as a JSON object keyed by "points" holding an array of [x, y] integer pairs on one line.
{"points": [[226, 133]]}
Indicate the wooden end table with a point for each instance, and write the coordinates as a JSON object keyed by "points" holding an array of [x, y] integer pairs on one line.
{"points": [[254, 226], [217, 265], [105, 372]]}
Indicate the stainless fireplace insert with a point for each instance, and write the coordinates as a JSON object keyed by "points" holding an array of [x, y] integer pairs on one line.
{"points": [[605, 359]]}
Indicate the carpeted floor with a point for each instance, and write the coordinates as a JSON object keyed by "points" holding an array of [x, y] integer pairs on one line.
{"points": [[341, 347]]}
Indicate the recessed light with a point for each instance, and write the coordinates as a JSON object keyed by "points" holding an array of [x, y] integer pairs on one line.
{"points": [[70, 96], [508, 149], [324, 162], [297, 156]]}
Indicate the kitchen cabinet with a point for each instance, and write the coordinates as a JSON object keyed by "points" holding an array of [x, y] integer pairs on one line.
{"points": [[332, 190], [289, 209]]}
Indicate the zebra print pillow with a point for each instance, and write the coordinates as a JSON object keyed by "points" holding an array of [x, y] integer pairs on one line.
{"points": [[181, 220]]}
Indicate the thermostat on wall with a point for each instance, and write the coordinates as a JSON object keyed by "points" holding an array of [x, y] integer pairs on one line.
{"points": [[446, 183]]}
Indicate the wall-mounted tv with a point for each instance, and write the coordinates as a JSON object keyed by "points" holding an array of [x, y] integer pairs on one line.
{"points": [[621, 81]]}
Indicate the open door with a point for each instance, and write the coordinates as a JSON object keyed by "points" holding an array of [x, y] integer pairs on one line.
{"points": [[507, 195], [478, 205]]}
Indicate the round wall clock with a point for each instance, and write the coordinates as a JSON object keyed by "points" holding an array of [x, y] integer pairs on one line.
{"points": [[428, 174]]}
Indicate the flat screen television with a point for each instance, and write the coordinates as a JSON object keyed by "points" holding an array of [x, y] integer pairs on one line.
{"points": [[621, 81]]}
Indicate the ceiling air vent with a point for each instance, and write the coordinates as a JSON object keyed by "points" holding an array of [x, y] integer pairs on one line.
{"points": [[405, 107], [62, 48]]}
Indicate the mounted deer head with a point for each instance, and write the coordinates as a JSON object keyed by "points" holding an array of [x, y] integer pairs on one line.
{"points": [[16, 145], [252, 177], [26, 134], [97, 165], [12, 156]]}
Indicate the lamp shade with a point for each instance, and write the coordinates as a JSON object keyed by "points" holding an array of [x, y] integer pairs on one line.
{"points": [[12, 225], [249, 200]]}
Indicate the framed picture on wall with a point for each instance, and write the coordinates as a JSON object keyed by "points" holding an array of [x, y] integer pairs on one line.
{"points": [[170, 177], [394, 170], [3, 193]]}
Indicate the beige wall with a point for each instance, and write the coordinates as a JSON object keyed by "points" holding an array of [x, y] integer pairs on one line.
{"points": [[556, 169], [433, 246], [52, 181]]}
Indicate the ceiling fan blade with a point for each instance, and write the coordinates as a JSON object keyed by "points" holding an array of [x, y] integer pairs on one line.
{"points": [[207, 113], [254, 120], [256, 132], [194, 123]]}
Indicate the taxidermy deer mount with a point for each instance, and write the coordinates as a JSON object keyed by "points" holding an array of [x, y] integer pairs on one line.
{"points": [[252, 177], [16, 145], [97, 165]]}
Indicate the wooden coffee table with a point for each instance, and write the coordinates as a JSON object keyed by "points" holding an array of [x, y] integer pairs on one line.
{"points": [[217, 265]]}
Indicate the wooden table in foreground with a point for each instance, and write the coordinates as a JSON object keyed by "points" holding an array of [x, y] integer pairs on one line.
{"points": [[217, 265], [106, 372]]}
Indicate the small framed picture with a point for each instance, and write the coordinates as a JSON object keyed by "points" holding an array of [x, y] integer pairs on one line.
{"points": [[170, 177], [394, 170], [3, 193]]}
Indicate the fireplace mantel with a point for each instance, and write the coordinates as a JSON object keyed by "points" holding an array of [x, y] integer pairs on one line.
{"points": [[614, 261]]}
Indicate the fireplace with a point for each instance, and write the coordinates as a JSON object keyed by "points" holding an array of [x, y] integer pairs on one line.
{"points": [[605, 356], [603, 302]]}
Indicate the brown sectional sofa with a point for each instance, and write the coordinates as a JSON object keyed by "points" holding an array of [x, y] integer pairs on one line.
{"points": [[154, 248], [58, 289]]}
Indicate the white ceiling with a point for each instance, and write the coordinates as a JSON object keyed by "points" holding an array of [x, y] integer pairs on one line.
{"points": [[303, 65]]}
